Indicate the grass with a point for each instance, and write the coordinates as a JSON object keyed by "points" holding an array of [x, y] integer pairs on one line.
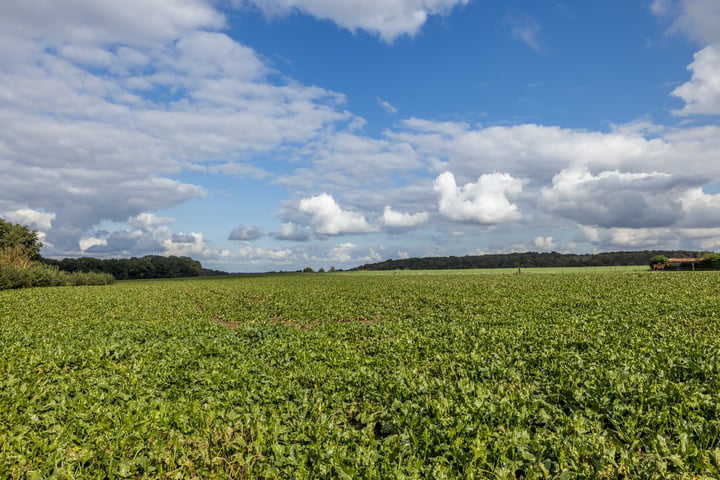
{"points": [[364, 376]]}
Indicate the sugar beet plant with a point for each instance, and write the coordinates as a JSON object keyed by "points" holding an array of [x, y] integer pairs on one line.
{"points": [[364, 376]]}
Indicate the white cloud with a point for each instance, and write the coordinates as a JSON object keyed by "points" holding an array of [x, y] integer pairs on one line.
{"points": [[530, 151], [261, 256], [372, 256], [89, 22], [387, 18], [702, 93], [190, 245], [698, 19], [525, 28], [86, 243], [544, 243], [74, 83], [629, 237], [246, 233], [617, 199], [387, 106], [292, 232], [343, 252], [30, 218], [484, 202], [149, 221], [700, 209], [329, 219], [239, 170], [345, 159], [395, 219]]}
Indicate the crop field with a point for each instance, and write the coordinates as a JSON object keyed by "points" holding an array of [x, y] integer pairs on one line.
{"points": [[443, 375]]}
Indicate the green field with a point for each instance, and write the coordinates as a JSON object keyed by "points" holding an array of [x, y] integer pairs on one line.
{"points": [[509, 271], [394, 375]]}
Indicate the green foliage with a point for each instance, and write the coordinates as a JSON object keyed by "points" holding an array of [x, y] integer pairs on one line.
{"points": [[524, 260], [40, 275], [15, 255], [20, 237], [150, 266], [364, 376], [308, 270], [710, 261], [658, 260]]}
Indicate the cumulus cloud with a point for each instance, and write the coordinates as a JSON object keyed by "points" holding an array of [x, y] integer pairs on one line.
{"points": [[617, 199], [87, 22], [485, 201], [327, 218], [292, 232], [86, 87], [628, 237], [29, 217], [702, 93], [125, 243], [395, 219], [246, 233], [146, 236], [343, 252], [527, 150], [544, 243], [149, 221], [698, 19], [700, 209], [388, 19]]}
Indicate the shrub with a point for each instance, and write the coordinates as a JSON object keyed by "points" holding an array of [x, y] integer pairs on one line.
{"points": [[658, 260], [39, 275], [89, 278], [15, 255], [711, 261], [13, 277]]}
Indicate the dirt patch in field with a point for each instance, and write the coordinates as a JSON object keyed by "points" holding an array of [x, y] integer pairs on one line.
{"points": [[222, 323], [314, 323]]}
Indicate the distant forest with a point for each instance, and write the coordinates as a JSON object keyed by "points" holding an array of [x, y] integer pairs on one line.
{"points": [[527, 260], [150, 266]]}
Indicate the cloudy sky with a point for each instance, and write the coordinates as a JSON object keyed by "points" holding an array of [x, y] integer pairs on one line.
{"points": [[258, 135]]}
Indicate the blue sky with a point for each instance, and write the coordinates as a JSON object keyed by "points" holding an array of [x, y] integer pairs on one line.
{"points": [[278, 134]]}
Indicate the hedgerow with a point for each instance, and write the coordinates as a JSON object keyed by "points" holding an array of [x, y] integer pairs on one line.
{"points": [[39, 275]]}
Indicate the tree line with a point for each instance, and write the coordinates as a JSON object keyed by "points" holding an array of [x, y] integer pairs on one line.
{"points": [[21, 264], [526, 260], [149, 266]]}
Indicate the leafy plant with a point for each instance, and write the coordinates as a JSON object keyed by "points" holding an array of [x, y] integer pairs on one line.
{"points": [[364, 376]]}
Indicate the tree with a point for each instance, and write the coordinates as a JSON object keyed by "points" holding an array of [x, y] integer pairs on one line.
{"points": [[20, 237], [711, 261], [658, 261]]}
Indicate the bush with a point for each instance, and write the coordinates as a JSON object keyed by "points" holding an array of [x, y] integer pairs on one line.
{"points": [[658, 260], [710, 261], [89, 278], [13, 277], [39, 275]]}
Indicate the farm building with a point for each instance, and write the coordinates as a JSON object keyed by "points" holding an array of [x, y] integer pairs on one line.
{"points": [[684, 263]]}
